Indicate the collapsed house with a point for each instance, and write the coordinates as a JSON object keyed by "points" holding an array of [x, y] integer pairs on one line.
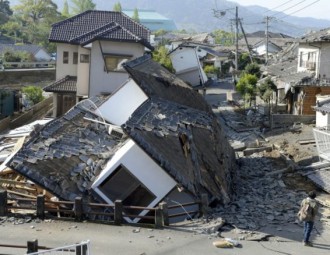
{"points": [[152, 140]]}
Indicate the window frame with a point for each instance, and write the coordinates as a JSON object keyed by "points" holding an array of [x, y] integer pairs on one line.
{"points": [[82, 60], [120, 59], [65, 57], [75, 57]]}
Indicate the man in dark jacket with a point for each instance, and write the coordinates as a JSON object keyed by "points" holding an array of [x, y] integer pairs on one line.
{"points": [[309, 221]]}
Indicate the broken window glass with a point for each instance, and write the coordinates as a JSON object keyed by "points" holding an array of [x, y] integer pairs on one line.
{"points": [[113, 63]]}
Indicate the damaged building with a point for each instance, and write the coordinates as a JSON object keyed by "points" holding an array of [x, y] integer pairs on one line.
{"points": [[152, 140]]}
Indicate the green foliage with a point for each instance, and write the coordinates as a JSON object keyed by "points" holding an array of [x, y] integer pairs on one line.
{"points": [[37, 11], [160, 55], [5, 11], [17, 56], [117, 7], [33, 94], [266, 90], [209, 69], [243, 60], [32, 20], [253, 68], [65, 11], [246, 86], [80, 6], [136, 15], [160, 32], [223, 37]]}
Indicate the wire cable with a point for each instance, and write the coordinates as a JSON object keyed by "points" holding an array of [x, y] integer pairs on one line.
{"points": [[299, 10]]}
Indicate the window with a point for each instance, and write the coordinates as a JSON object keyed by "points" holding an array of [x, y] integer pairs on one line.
{"points": [[75, 58], [122, 185], [114, 63], [84, 58], [65, 57]]}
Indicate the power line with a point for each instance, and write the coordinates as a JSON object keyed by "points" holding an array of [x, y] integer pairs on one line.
{"points": [[280, 12], [299, 9]]}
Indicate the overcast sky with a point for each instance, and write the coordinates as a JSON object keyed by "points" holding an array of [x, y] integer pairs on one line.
{"points": [[317, 9]]}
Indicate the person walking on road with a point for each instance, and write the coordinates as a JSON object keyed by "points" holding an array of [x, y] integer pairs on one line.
{"points": [[307, 213]]}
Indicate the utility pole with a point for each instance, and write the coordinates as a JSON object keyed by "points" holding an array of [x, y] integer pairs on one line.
{"points": [[236, 38], [267, 36]]}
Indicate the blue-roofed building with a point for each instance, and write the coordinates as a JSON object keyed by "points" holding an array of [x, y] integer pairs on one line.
{"points": [[153, 20]]}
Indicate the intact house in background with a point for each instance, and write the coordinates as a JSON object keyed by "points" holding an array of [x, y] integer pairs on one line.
{"points": [[154, 139], [91, 47], [36, 52], [306, 75]]}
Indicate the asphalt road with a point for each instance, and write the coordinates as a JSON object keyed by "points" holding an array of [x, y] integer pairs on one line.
{"points": [[127, 240]]}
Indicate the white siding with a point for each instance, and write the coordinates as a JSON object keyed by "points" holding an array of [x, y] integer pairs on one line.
{"points": [[83, 73], [187, 66], [303, 53], [130, 95], [324, 61], [100, 80], [143, 168], [42, 55], [322, 120], [65, 69]]}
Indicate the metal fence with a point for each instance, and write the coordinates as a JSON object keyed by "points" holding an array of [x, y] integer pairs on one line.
{"points": [[82, 248]]}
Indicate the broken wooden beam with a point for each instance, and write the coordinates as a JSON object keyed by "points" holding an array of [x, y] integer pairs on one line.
{"points": [[250, 151]]}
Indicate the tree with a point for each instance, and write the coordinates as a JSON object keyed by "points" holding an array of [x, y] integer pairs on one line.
{"points": [[33, 94], [224, 38], [5, 11], [136, 15], [37, 11], [246, 86], [253, 68], [36, 18], [266, 91], [117, 7], [160, 55], [80, 6], [65, 11]]}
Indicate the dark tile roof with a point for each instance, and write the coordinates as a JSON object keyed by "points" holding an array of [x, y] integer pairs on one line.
{"points": [[157, 81], [286, 71], [99, 25], [67, 84], [174, 116], [261, 34], [30, 48], [316, 36], [67, 154], [323, 106], [187, 143]]}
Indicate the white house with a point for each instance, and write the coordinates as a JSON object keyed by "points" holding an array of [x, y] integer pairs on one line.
{"points": [[37, 52], [152, 140], [92, 46], [314, 49], [187, 65]]}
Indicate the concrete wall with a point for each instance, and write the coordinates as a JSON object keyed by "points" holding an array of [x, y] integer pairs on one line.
{"points": [[26, 76], [283, 120]]}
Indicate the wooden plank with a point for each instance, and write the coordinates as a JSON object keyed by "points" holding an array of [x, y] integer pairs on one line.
{"points": [[307, 141]]}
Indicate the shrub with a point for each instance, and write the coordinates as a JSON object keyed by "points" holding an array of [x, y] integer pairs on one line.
{"points": [[33, 94]]}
